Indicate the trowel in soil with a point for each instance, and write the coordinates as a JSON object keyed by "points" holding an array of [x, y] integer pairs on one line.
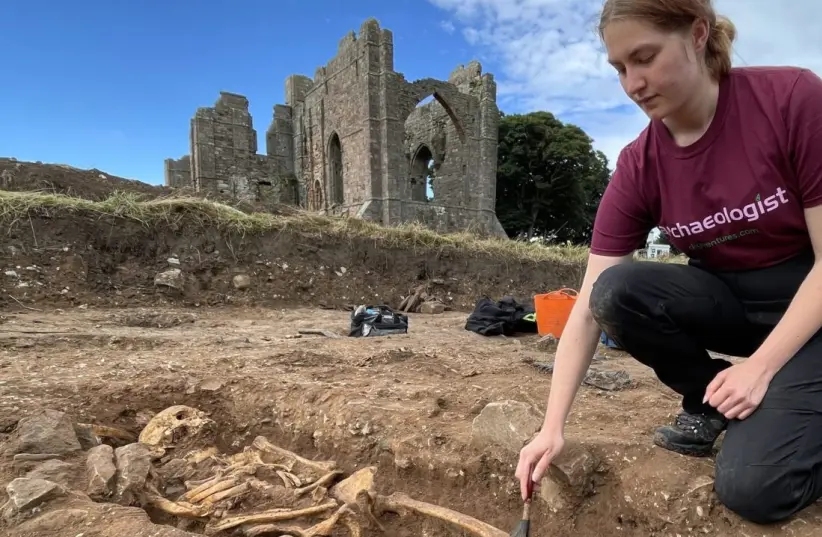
{"points": [[525, 524]]}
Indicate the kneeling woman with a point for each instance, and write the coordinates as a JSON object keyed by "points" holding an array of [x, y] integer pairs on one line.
{"points": [[730, 166]]}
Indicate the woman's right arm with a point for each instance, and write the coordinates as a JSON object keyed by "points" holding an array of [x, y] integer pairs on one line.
{"points": [[573, 357], [624, 218], [576, 347]]}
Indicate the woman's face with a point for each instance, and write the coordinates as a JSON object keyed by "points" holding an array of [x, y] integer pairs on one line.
{"points": [[659, 71]]}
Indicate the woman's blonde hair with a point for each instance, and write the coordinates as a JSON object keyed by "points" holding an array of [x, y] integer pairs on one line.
{"points": [[678, 15]]}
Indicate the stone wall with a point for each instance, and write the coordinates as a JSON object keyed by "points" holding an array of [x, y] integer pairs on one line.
{"points": [[224, 143], [358, 100], [329, 116], [352, 138], [224, 158], [178, 172]]}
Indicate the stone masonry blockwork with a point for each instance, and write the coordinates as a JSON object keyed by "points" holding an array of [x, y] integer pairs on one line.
{"points": [[358, 139]]}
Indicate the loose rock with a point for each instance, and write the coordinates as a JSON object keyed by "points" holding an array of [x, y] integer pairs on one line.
{"points": [[547, 343], [48, 431], [86, 437], [241, 281], [100, 471], [608, 380], [172, 278], [53, 470], [574, 466], [26, 493], [432, 308], [506, 423], [133, 463], [552, 494]]}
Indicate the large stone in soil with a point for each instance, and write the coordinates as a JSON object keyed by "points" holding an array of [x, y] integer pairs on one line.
{"points": [[133, 463], [570, 478], [26, 493], [553, 495], [100, 471], [48, 431], [55, 471], [172, 279], [574, 467], [508, 424], [432, 308]]}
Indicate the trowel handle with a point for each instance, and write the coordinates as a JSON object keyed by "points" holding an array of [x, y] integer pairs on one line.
{"points": [[529, 487]]}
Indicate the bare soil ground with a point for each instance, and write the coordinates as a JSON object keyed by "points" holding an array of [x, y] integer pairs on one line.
{"points": [[85, 330], [63, 179]]}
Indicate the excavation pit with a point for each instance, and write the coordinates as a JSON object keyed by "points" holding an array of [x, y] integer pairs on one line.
{"points": [[173, 470], [412, 407]]}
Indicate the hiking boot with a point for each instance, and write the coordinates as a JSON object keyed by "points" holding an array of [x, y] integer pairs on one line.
{"points": [[691, 434]]}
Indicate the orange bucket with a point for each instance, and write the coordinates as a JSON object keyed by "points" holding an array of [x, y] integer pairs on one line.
{"points": [[552, 310]]}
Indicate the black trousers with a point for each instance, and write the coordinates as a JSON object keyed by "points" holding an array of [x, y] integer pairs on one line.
{"points": [[668, 316]]}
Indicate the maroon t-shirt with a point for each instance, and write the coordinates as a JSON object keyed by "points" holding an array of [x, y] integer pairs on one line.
{"points": [[735, 198]]}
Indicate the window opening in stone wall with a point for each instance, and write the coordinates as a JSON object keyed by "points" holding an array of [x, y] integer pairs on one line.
{"points": [[315, 196], [422, 175], [430, 99], [431, 123], [335, 164]]}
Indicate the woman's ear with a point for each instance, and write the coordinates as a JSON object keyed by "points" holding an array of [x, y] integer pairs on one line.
{"points": [[700, 34]]}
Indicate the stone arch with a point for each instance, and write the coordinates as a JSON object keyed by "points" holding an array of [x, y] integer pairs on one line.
{"points": [[421, 171], [315, 196], [336, 181], [447, 95]]}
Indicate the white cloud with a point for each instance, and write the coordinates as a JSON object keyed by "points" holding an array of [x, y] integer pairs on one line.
{"points": [[552, 58], [448, 27]]}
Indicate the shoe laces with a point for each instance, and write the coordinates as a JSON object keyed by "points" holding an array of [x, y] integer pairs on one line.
{"points": [[696, 423]]}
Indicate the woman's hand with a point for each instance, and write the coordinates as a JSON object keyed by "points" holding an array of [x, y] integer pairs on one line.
{"points": [[535, 458], [736, 392]]}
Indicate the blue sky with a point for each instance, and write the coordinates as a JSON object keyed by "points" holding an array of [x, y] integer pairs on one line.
{"points": [[112, 85]]}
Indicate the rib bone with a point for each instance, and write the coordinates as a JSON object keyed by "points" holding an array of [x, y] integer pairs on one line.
{"points": [[104, 431], [289, 480], [231, 493], [272, 516], [402, 504], [180, 509], [213, 489], [321, 482], [205, 485], [323, 467], [176, 509], [323, 529]]}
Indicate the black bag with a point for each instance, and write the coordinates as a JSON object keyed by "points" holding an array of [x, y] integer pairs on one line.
{"points": [[369, 321], [505, 317]]}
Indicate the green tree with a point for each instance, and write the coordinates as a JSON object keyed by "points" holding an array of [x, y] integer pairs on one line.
{"points": [[549, 178]]}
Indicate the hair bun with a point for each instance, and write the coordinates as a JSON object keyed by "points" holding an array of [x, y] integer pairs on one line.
{"points": [[725, 27]]}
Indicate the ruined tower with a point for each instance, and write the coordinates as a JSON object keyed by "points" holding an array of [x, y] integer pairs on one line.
{"points": [[360, 140]]}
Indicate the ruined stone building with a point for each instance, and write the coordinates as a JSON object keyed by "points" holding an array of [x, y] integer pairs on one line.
{"points": [[360, 140]]}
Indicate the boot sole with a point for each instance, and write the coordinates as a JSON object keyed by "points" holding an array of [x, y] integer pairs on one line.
{"points": [[689, 450]]}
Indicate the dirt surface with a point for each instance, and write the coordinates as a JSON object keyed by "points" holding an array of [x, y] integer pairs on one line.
{"points": [[112, 320], [63, 179], [403, 403]]}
